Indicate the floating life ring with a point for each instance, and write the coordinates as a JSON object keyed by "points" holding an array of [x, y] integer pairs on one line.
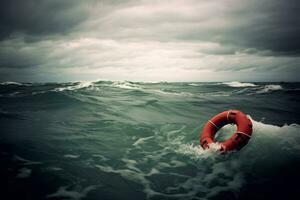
{"points": [[239, 139]]}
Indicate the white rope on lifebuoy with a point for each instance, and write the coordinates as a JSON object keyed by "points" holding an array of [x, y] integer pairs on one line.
{"points": [[214, 124], [244, 134], [228, 113]]}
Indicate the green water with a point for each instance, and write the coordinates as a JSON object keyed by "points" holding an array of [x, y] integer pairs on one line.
{"points": [[125, 140]]}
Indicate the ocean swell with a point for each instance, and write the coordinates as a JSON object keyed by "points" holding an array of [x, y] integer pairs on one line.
{"points": [[141, 140]]}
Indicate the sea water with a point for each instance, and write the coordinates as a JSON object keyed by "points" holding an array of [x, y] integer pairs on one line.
{"points": [[132, 140]]}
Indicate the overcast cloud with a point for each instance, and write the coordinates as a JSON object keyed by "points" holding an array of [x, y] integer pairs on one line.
{"points": [[150, 40]]}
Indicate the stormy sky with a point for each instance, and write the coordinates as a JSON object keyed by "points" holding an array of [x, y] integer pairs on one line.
{"points": [[149, 40]]}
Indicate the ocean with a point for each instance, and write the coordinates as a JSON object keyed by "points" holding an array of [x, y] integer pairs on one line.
{"points": [[115, 140]]}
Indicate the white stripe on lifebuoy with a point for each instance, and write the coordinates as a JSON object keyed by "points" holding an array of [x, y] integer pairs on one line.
{"points": [[229, 111], [214, 124], [244, 134]]}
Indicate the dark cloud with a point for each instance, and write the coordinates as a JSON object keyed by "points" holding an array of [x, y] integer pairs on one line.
{"points": [[39, 17], [275, 26], [262, 24]]}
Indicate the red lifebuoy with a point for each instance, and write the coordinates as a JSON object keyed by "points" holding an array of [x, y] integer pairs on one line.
{"points": [[239, 139]]}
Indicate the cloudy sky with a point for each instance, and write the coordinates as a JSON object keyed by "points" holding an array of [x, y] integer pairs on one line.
{"points": [[150, 40]]}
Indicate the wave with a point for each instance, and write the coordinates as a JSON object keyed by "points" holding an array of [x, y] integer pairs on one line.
{"points": [[270, 88], [14, 83], [94, 84], [239, 84], [216, 173], [193, 84], [136, 86], [126, 85], [167, 92], [77, 86], [267, 140], [264, 89]]}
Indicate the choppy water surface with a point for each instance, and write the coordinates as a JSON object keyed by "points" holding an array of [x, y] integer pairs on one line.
{"points": [[125, 140]]}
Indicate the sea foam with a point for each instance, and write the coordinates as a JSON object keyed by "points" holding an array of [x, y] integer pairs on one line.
{"points": [[14, 83], [215, 173], [239, 84], [270, 88], [76, 86]]}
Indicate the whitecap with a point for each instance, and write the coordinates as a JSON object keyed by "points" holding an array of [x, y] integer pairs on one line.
{"points": [[193, 84], [270, 88], [172, 93], [14, 83], [239, 84], [126, 85], [77, 86], [196, 152], [141, 140]]}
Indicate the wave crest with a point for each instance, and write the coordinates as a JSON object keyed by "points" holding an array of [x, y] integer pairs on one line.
{"points": [[270, 88], [126, 85], [77, 86], [239, 84], [14, 83]]}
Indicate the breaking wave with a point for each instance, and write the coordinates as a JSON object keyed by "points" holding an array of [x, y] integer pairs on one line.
{"points": [[14, 83], [270, 88], [239, 84], [75, 86], [125, 85]]}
